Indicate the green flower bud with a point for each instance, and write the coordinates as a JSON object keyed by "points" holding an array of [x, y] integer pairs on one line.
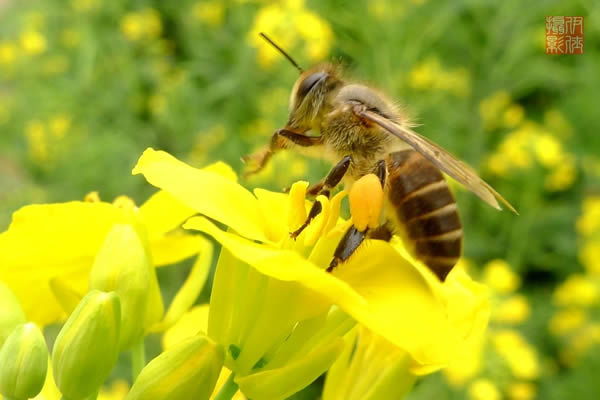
{"points": [[188, 370], [23, 363], [87, 346], [11, 313], [122, 266]]}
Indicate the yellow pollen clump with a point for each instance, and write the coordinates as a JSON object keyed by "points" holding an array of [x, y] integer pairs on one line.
{"points": [[366, 201]]}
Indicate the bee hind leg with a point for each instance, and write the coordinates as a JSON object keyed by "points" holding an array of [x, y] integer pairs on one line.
{"points": [[353, 237]]}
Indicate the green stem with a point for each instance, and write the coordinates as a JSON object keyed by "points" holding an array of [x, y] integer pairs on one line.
{"points": [[138, 358], [228, 389]]}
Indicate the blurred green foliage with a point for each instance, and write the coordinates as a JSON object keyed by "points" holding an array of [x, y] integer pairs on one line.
{"points": [[86, 86]]}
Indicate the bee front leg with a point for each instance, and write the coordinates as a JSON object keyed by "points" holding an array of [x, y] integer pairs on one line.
{"points": [[281, 139]]}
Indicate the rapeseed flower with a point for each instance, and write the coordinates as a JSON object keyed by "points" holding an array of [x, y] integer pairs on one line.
{"points": [[269, 287], [67, 238], [518, 364], [289, 22]]}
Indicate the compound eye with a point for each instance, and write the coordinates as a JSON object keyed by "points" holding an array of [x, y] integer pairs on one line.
{"points": [[309, 82]]}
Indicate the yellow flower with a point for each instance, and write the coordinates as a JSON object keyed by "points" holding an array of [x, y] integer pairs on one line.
{"points": [[380, 286], [513, 310], [566, 321], [577, 290], [484, 389], [548, 150], [521, 391], [286, 22], [562, 176], [33, 42], [589, 221], [210, 12], [520, 356], [492, 107], [59, 125], [513, 115], [588, 255], [498, 275], [8, 53], [145, 24], [67, 237], [37, 141]]}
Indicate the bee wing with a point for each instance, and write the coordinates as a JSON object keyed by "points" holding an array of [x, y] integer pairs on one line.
{"points": [[442, 159]]}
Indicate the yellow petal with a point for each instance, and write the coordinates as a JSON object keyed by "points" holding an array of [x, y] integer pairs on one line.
{"points": [[297, 209], [206, 192], [189, 291], [192, 322], [377, 287], [175, 247], [273, 206], [50, 240], [162, 213]]}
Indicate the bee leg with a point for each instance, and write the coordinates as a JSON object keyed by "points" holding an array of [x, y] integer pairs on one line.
{"points": [[315, 210], [332, 179], [353, 238], [280, 140], [347, 246]]}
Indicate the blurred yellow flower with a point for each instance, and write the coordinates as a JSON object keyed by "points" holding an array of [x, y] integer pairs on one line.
{"points": [[513, 310], [492, 107], [157, 103], [484, 389], [513, 116], [562, 176], [8, 53], [567, 320], [521, 391], [33, 42], [589, 221], [548, 150], [498, 275], [37, 141], [577, 290], [287, 23], [209, 12], [145, 24], [429, 75], [588, 255], [520, 356], [59, 125]]}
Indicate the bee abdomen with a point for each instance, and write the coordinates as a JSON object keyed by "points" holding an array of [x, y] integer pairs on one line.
{"points": [[427, 209]]}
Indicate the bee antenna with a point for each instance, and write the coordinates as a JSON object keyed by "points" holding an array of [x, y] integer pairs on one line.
{"points": [[286, 55]]}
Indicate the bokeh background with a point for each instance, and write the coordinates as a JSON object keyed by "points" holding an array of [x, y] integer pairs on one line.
{"points": [[87, 85]]}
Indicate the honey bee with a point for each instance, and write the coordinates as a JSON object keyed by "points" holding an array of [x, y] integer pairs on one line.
{"points": [[361, 131]]}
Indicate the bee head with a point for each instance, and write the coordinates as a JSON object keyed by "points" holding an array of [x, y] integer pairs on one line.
{"points": [[309, 94]]}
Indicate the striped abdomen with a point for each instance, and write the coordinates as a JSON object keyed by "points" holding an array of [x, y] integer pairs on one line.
{"points": [[426, 208]]}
